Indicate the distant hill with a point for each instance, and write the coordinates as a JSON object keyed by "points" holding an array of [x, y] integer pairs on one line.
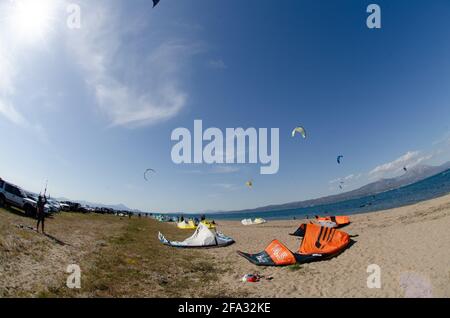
{"points": [[118, 207], [413, 175]]}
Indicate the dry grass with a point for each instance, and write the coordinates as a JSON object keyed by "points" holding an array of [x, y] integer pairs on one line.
{"points": [[119, 257]]}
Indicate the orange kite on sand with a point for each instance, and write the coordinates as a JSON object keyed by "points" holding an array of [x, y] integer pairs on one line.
{"points": [[318, 243]]}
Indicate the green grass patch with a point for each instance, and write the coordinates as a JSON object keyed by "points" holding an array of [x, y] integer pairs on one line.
{"points": [[134, 262], [295, 267]]}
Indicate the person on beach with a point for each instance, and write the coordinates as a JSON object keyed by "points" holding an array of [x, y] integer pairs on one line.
{"points": [[40, 213]]}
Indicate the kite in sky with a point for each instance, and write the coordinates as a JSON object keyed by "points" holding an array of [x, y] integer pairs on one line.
{"points": [[146, 172], [299, 130]]}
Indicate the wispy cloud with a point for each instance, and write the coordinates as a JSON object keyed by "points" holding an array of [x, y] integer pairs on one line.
{"points": [[218, 64], [10, 112], [193, 171], [389, 169], [7, 87], [226, 186], [351, 177], [335, 181], [445, 140], [223, 185], [410, 159], [224, 169], [130, 89], [9, 71], [395, 167], [216, 169]]}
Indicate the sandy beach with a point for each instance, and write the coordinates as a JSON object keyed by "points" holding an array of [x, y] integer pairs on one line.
{"points": [[122, 257], [411, 245]]}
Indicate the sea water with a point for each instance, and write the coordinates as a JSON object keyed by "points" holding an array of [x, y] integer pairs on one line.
{"points": [[426, 189]]}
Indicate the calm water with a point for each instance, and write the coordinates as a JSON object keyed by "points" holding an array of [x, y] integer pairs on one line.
{"points": [[432, 187]]}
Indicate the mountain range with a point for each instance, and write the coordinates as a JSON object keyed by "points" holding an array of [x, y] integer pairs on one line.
{"points": [[117, 207], [413, 175]]}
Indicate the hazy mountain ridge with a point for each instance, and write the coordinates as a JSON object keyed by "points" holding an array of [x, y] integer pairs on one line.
{"points": [[418, 173], [413, 175], [118, 207]]}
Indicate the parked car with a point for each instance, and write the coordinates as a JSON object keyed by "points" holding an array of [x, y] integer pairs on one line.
{"points": [[14, 196], [34, 197], [53, 206], [64, 207]]}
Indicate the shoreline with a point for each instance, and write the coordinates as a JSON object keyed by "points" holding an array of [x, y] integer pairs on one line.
{"points": [[299, 216]]}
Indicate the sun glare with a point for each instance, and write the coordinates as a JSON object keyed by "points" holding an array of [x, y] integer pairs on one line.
{"points": [[31, 19]]}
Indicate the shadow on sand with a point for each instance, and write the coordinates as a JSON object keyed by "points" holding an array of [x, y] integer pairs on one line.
{"points": [[56, 240], [15, 211], [27, 227]]}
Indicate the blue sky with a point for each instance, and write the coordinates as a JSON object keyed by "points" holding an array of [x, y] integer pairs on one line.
{"points": [[90, 109]]}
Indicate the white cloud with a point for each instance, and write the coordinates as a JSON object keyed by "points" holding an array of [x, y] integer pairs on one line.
{"points": [[218, 64], [225, 169], [130, 90], [335, 181], [445, 139], [193, 171], [410, 159], [217, 169], [8, 72], [353, 177], [7, 76], [11, 113], [347, 178], [224, 185]]}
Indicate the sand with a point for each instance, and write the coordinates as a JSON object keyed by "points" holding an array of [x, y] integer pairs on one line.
{"points": [[411, 246]]}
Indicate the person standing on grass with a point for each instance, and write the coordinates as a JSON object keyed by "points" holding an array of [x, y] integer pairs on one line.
{"points": [[40, 212]]}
